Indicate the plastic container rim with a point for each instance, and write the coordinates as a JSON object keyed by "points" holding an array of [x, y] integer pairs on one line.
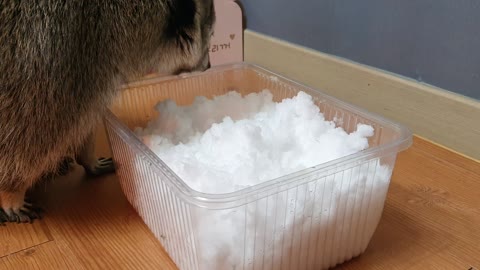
{"points": [[241, 196]]}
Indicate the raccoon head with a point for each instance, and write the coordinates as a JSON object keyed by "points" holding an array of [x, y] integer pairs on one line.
{"points": [[189, 29]]}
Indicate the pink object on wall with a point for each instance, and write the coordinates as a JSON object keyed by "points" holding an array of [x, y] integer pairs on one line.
{"points": [[226, 46]]}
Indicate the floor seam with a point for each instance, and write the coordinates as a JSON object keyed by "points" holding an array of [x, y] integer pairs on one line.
{"points": [[27, 248]]}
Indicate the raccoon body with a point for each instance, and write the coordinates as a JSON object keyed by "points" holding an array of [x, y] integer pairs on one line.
{"points": [[60, 63]]}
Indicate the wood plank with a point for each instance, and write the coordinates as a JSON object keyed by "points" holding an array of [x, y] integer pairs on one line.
{"points": [[93, 217], [15, 237], [49, 255], [450, 156], [431, 214], [439, 115]]}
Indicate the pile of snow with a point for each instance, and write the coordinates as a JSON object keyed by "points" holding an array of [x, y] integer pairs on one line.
{"points": [[230, 142]]}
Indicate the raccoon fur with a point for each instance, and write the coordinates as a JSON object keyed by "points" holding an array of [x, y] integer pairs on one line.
{"points": [[60, 65]]}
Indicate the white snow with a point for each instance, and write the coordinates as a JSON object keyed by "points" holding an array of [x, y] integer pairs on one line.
{"points": [[230, 142]]}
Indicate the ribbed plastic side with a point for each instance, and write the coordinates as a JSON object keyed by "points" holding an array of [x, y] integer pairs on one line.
{"points": [[166, 216], [322, 218], [316, 225]]}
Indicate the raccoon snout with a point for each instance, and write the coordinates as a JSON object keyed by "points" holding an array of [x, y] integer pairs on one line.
{"points": [[204, 64]]}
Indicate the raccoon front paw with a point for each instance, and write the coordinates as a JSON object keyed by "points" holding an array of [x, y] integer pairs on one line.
{"points": [[102, 166], [27, 213]]}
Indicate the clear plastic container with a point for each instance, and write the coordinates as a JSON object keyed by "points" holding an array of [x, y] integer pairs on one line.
{"points": [[312, 219]]}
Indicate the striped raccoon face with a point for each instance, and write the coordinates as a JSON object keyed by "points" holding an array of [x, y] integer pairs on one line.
{"points": [[189, 30]]}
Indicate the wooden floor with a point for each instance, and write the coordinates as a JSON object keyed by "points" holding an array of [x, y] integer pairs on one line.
{"points": [[431, 221]]}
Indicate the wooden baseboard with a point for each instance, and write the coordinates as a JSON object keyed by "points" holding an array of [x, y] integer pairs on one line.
{"points": [[441, 116]]}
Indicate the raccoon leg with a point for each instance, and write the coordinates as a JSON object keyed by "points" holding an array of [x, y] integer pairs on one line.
{"points": [[14, 208], [64, 166], [90, 163]]}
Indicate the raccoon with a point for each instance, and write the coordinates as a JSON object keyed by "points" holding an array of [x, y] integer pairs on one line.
{"points": [[60, 65]]}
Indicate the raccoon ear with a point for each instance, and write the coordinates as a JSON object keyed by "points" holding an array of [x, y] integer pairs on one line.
{"points": [[181, 21]]}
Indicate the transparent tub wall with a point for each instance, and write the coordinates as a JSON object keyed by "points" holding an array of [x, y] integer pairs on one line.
{"points": [[166, 215], [313, 226], [316, 225], [327, 219], [136, 106]]}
